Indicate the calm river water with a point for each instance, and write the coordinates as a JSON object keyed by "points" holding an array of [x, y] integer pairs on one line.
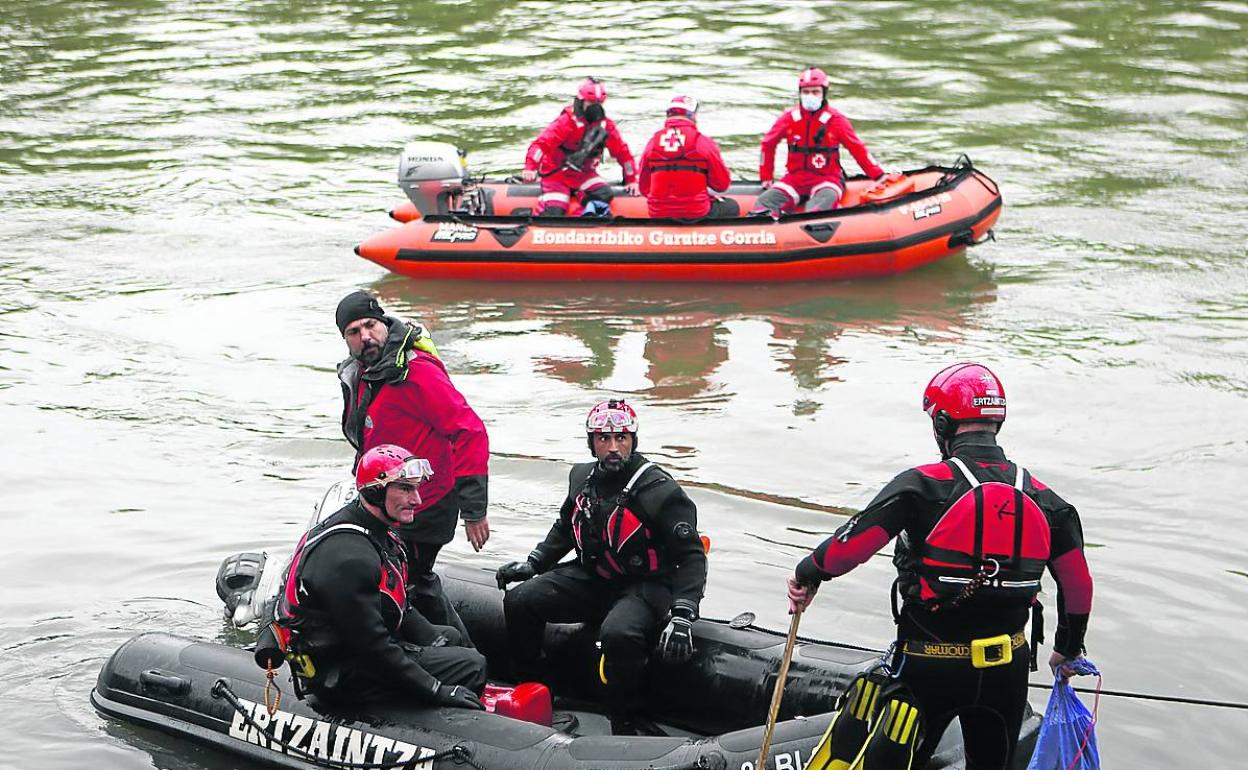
{"points": [[181, 184]]}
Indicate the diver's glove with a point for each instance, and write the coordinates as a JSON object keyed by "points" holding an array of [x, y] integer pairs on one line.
{"points": [[676, 641], [514, 572], [457, 696]]}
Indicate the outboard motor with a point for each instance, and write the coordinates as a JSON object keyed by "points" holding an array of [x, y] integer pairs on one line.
{"points": [[431, 174]]}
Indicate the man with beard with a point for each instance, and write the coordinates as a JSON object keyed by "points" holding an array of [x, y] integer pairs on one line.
{"points": [[396, 390], [638, 558]]}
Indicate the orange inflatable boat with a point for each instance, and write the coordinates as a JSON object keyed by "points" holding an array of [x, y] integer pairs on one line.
{"points": [[458, 228]]}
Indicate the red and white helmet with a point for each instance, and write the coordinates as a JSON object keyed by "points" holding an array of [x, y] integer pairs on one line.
{"points": [[612, 416], [387, 463], [685, 105], [592, 90], [813, 76], [965, 392]]}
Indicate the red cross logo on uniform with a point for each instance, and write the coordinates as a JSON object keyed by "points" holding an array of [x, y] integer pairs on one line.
{"points": [[819, 161], [672, 140]]}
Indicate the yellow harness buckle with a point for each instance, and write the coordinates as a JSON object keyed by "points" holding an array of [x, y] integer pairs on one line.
{"points": [[302, 665], [992, 651]]}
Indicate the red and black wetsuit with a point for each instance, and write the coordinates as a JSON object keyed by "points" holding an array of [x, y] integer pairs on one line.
{"points": [[637, 558], [986, 700], [344, 604]]}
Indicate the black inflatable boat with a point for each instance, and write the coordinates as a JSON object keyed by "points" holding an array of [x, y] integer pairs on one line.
{"points": [[713, 707]]}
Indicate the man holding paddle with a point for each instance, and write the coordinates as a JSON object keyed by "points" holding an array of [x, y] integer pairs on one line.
{"points": [[976, 533]]}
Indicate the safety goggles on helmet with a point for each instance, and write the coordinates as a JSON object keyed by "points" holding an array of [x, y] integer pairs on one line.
{"points": [[611, 417], [414, 469]]}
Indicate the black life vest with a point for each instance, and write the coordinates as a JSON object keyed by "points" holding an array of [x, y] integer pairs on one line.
{"points": [[619, 543], [989, 548], [292, 619]]}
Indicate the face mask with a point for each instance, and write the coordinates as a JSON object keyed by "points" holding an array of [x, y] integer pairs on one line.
{"points": [[811, 102], [595, 113]]}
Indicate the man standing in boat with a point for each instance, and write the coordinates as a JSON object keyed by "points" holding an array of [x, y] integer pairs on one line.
{"points": [[565, 156], [976, 532], [680, 167], [396, 390], [343, 617], [638, 557], [814, 133]]}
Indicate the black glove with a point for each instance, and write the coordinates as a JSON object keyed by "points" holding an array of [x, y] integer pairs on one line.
{"points": [[457, 696], [676, 641], [514, 572]]}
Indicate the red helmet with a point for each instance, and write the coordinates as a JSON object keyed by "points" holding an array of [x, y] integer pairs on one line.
{"points": [[592, 90], [965, 392], [386, 464], [685, 105], [812, 77], [612, 416]]}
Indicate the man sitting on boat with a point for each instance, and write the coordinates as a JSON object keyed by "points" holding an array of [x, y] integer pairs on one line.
{"points": [[638, 557], [565, 156], [814, 133], [681, 166], [343, 618]]}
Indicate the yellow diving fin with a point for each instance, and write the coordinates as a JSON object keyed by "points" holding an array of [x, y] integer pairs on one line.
{"points": [[843, 741], [896, 732]]}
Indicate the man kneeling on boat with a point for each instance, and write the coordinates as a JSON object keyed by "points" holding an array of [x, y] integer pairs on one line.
{"points": [[565, 155], [343, 618], [681, 166], [638, 557]]}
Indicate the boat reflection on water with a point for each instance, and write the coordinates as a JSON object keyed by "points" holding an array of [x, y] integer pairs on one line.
{"points": [[668, 341]]}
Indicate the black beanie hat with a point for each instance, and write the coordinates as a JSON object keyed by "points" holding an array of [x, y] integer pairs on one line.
{"points": [[357, 305]]}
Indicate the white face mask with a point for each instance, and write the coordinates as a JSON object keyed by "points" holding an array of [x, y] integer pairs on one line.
{"points": [[811, 102]]}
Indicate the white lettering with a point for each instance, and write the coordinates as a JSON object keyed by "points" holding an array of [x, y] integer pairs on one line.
{"points": [[785, 762], [301, 726], [238, 728], [280, 720], [357, 749], [340, 742], [754, 238], [319, 745], [260, 715], [381, 744]]}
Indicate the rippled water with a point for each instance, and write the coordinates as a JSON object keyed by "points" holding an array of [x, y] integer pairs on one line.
{"points": [[181, 184]]}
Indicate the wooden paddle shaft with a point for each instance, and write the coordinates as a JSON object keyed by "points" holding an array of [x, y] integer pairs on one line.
{"points": [[777, 693]]}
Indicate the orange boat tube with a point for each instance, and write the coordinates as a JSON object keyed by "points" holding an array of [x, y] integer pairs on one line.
{"points": [[883, 229]]}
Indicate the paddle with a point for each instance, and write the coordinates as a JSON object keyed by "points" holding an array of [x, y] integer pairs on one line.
{"points": [[778, 692]]}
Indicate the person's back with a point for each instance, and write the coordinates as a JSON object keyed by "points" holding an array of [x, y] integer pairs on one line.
{"points": [[681, 165]]}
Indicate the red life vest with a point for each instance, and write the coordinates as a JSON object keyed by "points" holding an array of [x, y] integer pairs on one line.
{"points": [[812, 143], [624, 545], [988, 549], [674, 175], [290, 616]]}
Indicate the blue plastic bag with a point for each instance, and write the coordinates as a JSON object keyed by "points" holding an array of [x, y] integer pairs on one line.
{"points": [[1067, 739]]}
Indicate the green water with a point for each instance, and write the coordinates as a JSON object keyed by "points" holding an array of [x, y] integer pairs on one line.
{"points": [[181, 185]]}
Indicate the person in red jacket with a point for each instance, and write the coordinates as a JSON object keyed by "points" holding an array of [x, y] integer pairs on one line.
{"points": [[814, 133], [565, 156], [395, 391], [681, 166]]}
